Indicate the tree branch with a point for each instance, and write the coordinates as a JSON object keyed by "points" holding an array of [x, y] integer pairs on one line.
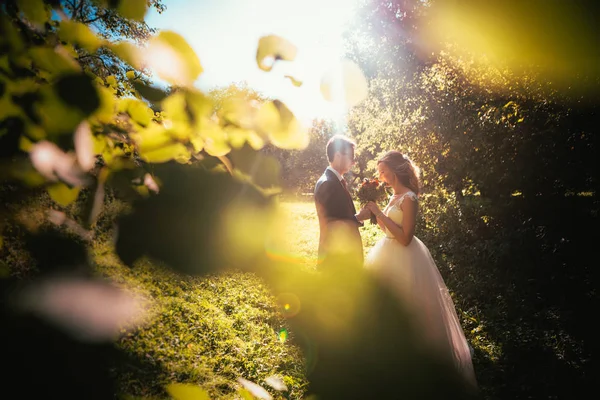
{"points": [[73, 8], [98, 16], [94, 56]]}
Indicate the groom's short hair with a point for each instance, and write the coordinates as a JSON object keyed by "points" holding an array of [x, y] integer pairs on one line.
{"points": [[339, 143]]}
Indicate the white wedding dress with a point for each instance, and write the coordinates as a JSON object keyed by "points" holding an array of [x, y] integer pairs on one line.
{"points": [[411, 274]]}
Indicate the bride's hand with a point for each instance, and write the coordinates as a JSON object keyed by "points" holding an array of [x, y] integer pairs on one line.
{"points": [[373, 208]]}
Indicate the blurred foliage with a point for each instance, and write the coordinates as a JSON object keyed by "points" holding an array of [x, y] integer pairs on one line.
{"points": [[87, 142], [69, 127], [558, 41]]}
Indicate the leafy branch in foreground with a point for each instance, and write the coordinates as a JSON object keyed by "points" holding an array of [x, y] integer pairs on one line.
{"points": [[73, 132]]}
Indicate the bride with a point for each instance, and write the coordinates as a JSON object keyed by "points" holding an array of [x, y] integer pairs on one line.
{"points": [[403, 263]]}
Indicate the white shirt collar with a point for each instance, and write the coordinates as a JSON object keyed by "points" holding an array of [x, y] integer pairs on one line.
{"points": [[340, 177]]}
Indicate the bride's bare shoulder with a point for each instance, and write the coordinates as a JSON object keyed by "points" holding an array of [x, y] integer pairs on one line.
{"points": [[398, 199]]}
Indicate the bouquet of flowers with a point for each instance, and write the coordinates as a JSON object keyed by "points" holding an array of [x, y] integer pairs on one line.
{"points": [[371, 190]]}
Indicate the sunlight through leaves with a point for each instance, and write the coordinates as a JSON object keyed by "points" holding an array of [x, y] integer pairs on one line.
{"points": [[345, 84], [173, 59]]}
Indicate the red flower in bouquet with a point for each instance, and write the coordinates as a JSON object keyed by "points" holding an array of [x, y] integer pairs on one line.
{"points": [[372, 190]]}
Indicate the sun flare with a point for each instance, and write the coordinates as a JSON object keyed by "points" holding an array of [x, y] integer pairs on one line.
{"points": [[225, 34]]}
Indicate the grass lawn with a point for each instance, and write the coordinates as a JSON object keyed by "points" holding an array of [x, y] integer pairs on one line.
{"points": [[209, 331]]}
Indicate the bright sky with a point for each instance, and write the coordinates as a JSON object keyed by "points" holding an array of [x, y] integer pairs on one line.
{"points": [[225, 33]]}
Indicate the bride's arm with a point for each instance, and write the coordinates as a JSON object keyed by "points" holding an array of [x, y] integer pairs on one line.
{"points": [[404, 233], [380, 222]]}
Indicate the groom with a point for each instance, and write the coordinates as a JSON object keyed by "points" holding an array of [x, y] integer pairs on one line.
{"points": [[338, 219]]}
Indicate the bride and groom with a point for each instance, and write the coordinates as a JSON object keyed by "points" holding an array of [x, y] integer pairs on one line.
{"points": [[400, 261]]}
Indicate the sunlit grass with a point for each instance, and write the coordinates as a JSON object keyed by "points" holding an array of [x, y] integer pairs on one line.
{"points": [[207, 331], [301, 229], [210, 330]]}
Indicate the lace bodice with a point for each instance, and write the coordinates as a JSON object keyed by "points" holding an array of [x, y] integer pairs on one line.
{"points": [[393, 210]]}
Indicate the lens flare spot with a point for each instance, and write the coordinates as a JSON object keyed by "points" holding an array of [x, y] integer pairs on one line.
{"points": [[283, 335], [289, 304]]}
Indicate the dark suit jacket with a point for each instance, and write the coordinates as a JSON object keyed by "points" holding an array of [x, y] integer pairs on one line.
{"points": [[333, 203]]}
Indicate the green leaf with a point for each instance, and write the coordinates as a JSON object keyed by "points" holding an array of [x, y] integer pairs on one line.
{"points": [[35, 132], [187, 222], [25, 144], [56, 61], [174, 151], [133, 9], [294, 81], [174, 107], [152, 138], [81, 34], [156, 144], [129, 52], [32, 178], [238, 111], [99, 143], [78, 91], [111, 80], [276, 121], [34, 10], [183, 66], [150, 93], [255, 140], [62, 194], [197, 143], [9, 109], [200, 109], [182, 391], [263, 170], [235, 136], [9, 35], [272, 48], [105, 113], [215, 142], [57, 117], [140, 112]]}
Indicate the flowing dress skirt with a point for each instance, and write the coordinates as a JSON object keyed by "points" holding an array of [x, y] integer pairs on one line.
{"points": [[411, 274]]}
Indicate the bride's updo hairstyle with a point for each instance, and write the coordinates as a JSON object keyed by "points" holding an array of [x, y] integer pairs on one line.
{"points": [[404, 169]]}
